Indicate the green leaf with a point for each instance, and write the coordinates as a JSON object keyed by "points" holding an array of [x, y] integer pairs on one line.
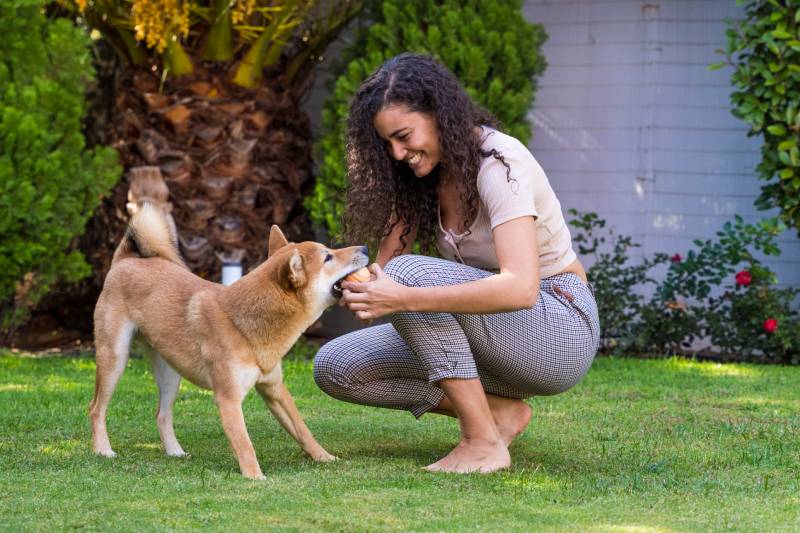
{"points": [[781, 34], [777, 129]]}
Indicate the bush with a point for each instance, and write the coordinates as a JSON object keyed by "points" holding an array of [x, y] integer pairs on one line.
{"points": [[489, 46], [49, 182], [757, 321], [734, 320], [766, 46], [685, 306], [614, 278], [720, 296]]}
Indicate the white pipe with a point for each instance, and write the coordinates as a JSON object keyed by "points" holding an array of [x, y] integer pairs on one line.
{"points": [[231, 272]]}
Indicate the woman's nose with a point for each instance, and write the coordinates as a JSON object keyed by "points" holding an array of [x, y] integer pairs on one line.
{"points": [[397, 152]]}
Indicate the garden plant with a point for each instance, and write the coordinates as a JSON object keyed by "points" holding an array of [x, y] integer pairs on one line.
{"points": [[764, 49], [209, 92], [719, 300], [50, 182], [206, 94]]}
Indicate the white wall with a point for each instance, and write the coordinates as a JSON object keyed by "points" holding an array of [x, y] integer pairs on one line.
{"points": [[630, 123]]}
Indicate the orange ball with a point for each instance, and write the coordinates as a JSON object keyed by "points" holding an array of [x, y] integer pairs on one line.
{"points": [[359, 276]]}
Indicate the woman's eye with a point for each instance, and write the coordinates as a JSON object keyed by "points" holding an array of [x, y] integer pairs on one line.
{"points": [[403, 137], [328, 257]]}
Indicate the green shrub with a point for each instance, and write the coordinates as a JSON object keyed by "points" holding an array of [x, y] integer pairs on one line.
{"points": [[730, 313], [489, 46], [614, 277], [764, 48], [757, 321], [49, 182], [720, 295], [686, 306]]}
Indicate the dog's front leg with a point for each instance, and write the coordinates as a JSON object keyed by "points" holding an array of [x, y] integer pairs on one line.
{"points": [[230, 411], [281, 403]]}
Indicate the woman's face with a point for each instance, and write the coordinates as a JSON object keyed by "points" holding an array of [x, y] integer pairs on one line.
{"points": [[411, 137]]}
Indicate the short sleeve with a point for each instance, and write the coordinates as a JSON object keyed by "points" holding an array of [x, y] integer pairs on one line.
{"points": [[506, 195]]}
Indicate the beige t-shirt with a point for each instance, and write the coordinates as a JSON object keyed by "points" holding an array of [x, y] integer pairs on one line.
{"points": [[527, 194]]}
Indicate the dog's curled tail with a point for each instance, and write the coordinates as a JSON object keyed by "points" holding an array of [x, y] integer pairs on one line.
{"points": [[149, 234]]}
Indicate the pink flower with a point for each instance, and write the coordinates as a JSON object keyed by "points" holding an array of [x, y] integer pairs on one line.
{"points": [[676, 258], [770, 325], [744, 278]]}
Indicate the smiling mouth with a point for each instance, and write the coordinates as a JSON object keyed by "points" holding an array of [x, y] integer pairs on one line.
{"points": [[414, 160]]}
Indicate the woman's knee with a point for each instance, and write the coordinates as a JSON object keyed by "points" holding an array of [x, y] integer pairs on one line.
{"points": [[330, 370], [413, 270], [341, 366]]}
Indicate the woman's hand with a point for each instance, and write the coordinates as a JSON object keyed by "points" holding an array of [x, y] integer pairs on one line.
{"points": [[373, 299]]}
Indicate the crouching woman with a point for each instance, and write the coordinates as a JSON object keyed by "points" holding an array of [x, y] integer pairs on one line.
{"points": [[504, 315]]}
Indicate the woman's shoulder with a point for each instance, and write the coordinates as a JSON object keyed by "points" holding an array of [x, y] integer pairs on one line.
{"points": [[497, 140], [514, 154]]}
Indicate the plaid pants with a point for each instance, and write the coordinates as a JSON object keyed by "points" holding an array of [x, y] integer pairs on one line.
{"points": [[538, 351]]}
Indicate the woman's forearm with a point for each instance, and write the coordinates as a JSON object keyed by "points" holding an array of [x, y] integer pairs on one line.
{"points": [[496, 294]]}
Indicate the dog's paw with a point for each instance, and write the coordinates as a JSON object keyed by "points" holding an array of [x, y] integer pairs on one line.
{"points": [[177, 453], [106, 452]]}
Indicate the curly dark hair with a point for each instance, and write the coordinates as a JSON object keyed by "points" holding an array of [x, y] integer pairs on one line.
{"points": [[383, 192]]}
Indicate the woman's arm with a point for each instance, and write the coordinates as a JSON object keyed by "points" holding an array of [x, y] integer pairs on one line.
{"points": [[391, 243], [515, 287]]}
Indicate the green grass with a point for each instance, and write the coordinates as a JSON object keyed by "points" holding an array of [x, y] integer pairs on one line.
{"points": [[669, 445]]}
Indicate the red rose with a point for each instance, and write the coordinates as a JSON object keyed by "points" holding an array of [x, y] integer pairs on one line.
{"points": [[770, 325], [744, 278], [676, 258]]}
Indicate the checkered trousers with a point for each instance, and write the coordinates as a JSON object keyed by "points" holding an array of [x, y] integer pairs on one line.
{"points": [[539, 351]]}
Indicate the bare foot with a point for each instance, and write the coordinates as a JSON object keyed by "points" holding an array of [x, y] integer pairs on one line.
{"points": [[473, 456], [510, 416]]}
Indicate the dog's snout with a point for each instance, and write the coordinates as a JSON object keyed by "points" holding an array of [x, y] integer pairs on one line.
{"points": [[364, 250]]}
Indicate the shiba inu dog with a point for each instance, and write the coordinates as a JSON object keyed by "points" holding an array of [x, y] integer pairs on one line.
{"points": [[226, 339]]}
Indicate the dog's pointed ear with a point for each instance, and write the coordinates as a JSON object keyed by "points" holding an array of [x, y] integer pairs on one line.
{"points": [[295, 270], [277, 240]]}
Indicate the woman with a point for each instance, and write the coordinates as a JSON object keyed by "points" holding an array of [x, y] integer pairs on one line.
{"points": [[507, 314]]}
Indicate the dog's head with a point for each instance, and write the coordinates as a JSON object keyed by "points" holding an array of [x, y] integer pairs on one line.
{"points": [[314, 269]]}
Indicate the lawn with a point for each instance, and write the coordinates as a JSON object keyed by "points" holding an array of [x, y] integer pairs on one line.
{"points": [[668, 445]]}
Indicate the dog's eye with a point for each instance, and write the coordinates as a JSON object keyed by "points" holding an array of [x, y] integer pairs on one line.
{"points": [[328, 257]]}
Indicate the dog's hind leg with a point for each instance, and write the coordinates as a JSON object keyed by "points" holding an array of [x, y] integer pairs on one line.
{"points": [[168, 381], [280, 402], [112, 344]]}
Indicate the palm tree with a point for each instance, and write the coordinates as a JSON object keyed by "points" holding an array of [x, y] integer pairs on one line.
{"points": [[206, 93], [209, 95]]}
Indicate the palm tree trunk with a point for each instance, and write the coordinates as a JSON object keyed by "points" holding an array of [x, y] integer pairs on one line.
{"points": [[235, 159]]}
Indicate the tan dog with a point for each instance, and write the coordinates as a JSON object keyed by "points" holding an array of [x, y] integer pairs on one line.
{"points": [[227, 339]]}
